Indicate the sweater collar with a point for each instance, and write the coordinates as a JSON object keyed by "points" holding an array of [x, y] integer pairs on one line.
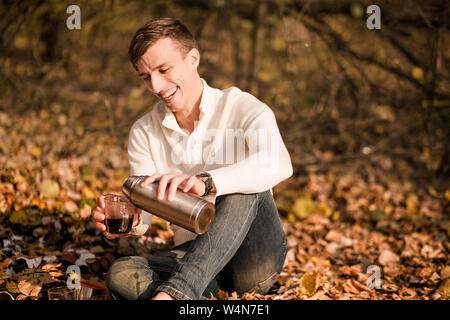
{"points": [[170, 121]]}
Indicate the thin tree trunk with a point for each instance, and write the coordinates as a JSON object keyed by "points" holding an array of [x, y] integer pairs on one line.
{"points": [[258, 47]]}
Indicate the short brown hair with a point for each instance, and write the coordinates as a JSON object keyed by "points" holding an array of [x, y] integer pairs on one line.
{"points": [[157, 29]]}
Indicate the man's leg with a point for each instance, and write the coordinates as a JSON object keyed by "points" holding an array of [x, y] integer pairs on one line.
{"points": [[260, 258], [211, 252], [137, 278]]}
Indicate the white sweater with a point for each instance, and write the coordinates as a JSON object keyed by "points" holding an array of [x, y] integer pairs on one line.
{"points": [[236, 140]]}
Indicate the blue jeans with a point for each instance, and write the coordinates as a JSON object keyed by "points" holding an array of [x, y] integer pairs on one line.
{"points": [[243, 251]]}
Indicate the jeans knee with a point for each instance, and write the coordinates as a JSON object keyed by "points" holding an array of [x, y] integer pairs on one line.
{"points": [[120, 274]]}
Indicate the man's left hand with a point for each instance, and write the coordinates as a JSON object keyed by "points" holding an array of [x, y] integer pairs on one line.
{"points": [[184, 182]]}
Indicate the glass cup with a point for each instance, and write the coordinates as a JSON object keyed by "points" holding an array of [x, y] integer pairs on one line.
{"points": [[62, 293], [119, 215], [92, 293]]}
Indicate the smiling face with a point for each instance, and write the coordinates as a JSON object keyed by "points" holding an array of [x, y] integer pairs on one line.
{"points": [[171, 75]]}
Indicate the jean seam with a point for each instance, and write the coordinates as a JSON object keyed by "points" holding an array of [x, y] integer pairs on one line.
{"points": [[272, 275]]}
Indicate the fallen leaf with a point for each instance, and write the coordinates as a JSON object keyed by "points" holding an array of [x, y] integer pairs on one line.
{"points": [[445, 273], [388, 258], [19, 217], [303, 207], [308, 284], [70, 206], [407, 293], [11, 286], [50, 189], [87, 192], [444, 289], [86, 211], [31, 287]]}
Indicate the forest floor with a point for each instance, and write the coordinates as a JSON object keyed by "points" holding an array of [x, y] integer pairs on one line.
{"points": [[351, 233]]}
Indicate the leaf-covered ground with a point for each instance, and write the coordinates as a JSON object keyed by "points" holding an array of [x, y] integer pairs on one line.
{"points": [[344, 226]]}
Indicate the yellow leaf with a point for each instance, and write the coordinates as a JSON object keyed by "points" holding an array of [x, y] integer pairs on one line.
{"points": [[444, 289], [446, 226], [49, 189], [417, 73], [223, 295], [447, 195], [432, 191], [19, 217], [38, 202], [11, 286], [43, 114], [309, 283], [303, 207], [412, 201], [87, 192], [36, 151]]}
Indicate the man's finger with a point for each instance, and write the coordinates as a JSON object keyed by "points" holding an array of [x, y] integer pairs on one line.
{"points": [[174, 183], [101, 202], [100, 226], [162, 186], [149, 180], [98, 216], [189, 184]]}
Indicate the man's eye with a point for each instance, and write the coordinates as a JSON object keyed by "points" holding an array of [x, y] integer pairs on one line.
{"points": [[164, 70], [146, 77]]}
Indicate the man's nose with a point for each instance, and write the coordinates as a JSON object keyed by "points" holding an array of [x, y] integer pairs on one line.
{"points": [[156, 83]]}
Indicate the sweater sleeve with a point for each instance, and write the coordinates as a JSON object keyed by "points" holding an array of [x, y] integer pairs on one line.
{"points": [[267, 161], [141, 163]]}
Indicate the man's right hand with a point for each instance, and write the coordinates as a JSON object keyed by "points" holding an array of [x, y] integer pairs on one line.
{"points": [[98, 214]]}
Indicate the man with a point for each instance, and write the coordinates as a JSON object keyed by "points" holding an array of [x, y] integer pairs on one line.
{"points": [[223, 145]]}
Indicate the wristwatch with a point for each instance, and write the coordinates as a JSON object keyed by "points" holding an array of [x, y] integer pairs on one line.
{"points": [[207, 179]]}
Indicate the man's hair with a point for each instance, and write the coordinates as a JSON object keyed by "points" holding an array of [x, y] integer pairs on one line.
{"points": [[157, 29]]}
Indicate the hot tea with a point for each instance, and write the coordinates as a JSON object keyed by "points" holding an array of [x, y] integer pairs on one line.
{"points": [[117, 225]]}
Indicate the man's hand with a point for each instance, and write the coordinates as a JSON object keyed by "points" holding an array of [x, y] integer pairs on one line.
{"points": [[184, 182], [98, 214]]}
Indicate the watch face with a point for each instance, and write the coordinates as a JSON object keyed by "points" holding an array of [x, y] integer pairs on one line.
{"points": [[203, 175]]}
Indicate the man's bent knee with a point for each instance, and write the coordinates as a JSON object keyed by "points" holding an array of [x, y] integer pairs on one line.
{"points": [[123, 278]]}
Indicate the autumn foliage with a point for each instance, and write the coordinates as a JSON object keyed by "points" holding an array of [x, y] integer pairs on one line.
{"points": [[364, 115]]}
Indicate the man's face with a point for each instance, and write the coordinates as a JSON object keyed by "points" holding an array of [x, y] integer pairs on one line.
{"points": [[168, 74]]}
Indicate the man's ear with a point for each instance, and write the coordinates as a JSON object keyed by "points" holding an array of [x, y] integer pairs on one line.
{"points": [[194, 57]]}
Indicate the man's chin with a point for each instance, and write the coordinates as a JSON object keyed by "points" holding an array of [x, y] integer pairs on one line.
{"points": [[172, 107]]}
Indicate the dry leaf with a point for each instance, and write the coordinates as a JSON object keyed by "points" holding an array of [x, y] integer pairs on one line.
{"points": [[445, 273], [11, 286], [308, 284], [444, 289], [70, 206], [31, 287], [222, 295], [86, 211], [50, 189], [388, 258], [19, 217], [87, 192]]}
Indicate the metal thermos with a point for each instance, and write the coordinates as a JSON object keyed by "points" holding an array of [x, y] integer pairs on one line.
{"points": [[185, 210]]}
